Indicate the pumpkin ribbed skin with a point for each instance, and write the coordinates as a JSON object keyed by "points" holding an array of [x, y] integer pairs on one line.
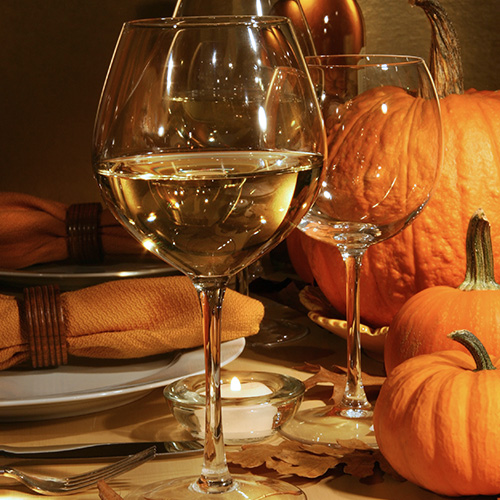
{"points": [[383, 157], [430, 252], [422, 325], [436, 422]]}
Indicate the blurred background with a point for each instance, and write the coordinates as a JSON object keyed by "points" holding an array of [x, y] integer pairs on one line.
{"points": [[55, 53]]}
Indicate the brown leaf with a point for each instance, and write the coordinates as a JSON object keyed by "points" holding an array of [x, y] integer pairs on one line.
{"points": [[337, 377], [312, 460], [251, 456], [324, 376], [305, 464], [106, 492], [323, 449], [359, 464], [386, 467], [354, 444]]}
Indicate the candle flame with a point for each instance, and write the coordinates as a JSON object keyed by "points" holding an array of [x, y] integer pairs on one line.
{"points": [[235, 384]]}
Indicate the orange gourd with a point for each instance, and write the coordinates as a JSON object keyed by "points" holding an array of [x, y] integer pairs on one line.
{"points": [[422, 324], [436, 420], [430, 252]]}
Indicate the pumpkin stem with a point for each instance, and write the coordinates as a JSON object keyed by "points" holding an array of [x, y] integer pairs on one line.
{"points": [[480, 267], [445, 58], [475, 347]]}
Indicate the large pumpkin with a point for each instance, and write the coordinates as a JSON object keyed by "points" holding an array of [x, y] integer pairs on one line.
{"points": [[430, 252], [436, 420], [422, 325]]}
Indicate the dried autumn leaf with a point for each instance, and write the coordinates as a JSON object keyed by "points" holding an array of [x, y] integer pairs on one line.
{"points": [[354, 444], [386, 467], [358, 458], [337, 377], [310, 460], [305, 464], [287, 458], [359, 464], [106, 492], [251, 456], [323, 449], [324, 376]]}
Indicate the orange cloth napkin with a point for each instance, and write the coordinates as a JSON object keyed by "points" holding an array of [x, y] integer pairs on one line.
{"points": [[131, 319], [33, 231]]}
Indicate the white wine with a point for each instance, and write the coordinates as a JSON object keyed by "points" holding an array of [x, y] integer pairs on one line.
{"points": [[211, 213]]}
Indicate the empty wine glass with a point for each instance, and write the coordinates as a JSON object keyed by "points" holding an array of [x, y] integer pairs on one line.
{"points": [[208, 147], [383, 125]]}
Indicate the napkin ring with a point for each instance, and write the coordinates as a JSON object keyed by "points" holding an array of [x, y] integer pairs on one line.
{"points": [[42, 323], [82, 230]]}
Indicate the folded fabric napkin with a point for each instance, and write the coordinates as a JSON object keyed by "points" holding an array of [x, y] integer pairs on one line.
{"points": [[35, 231], [119, 320]]}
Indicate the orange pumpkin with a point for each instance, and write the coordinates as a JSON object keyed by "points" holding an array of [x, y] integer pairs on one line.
{"points": [[430, 252], [421, 326], [436, 420], [298, 255]]}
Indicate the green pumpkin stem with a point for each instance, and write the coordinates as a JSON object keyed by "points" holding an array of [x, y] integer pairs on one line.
{"points": [[445, 57], [475, 347], [480, 266]]}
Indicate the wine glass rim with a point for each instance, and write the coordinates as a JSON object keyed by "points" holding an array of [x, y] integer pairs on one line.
{"points": [[206, 21], [362, 60]]}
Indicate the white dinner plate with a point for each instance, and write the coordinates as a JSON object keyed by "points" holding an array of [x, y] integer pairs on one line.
{"points": [[73, 276], [80, 389]]}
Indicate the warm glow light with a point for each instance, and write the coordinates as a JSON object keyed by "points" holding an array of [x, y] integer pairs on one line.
{"points": [[251, 37], [148, 244], [258, 6], [262, 119], [235, 384]]}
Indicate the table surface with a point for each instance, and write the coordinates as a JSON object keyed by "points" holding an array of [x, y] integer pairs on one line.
{"points": [[149, 419]]}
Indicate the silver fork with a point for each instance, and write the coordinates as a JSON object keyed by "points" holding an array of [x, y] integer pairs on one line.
{"points": [[65, 486]]}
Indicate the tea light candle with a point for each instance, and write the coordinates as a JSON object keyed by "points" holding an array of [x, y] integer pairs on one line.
{"points": [[235, 389], [243, 422]]}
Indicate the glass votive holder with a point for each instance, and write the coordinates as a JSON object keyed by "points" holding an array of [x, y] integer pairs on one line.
{"points": [[254, 404]]}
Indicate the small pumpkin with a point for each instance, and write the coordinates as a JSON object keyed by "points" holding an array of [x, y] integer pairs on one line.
{"points": [[422, 324], [436, 420], [430, 252]]}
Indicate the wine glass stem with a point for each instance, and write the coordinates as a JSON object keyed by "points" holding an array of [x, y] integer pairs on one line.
{"points": [[215, 476], [354, 397], [243, 282]]}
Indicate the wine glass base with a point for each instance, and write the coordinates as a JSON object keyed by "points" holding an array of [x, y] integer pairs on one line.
{"points": [[275, 332], [244, 488], [326, 426]]}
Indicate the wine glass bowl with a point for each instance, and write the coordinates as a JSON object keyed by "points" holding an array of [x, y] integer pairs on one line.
{"points": [[383, 146], [208, 148], [291, 9], [384, 135], [274, 330]]}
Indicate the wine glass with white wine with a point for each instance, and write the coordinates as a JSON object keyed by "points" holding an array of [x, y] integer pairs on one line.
{"points": [[278, 326], [209, 147]]}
